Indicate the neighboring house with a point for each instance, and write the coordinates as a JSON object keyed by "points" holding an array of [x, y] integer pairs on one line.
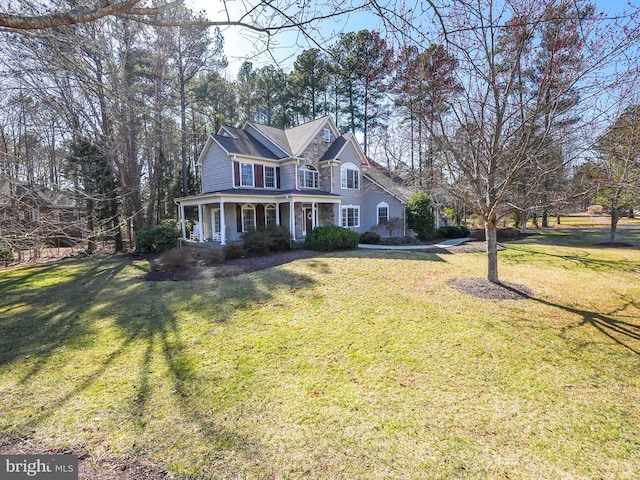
{"points": [[30, 215], [301, 177]]}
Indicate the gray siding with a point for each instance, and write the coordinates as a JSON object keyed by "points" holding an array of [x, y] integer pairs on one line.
{"points": [[287, 176], [231, 229], [348, 155], [216, 170], [373, 195]]}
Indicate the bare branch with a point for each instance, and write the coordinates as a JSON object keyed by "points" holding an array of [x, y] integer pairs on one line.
{"points": [[81, 14]]}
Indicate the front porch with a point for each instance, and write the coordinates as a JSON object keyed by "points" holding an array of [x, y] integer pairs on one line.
{"points": [[224, 216]]}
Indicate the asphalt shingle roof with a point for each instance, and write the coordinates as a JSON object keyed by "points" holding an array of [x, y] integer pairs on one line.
{"points": [[244, 144]]}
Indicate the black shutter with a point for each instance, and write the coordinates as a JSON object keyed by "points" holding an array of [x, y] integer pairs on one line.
{"points": [[258, 174], [239, 217], [260, 220]]}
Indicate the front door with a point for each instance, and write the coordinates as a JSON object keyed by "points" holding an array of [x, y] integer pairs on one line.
{"points": [[307, 212]]}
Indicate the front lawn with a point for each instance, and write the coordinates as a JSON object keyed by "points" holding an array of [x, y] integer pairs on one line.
{"points": [[360, 365]]}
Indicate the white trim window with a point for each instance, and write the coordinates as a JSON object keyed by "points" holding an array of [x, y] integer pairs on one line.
{"points": [[327, 135], [246, 175], [350, 216], [270, 215], [349, 177], [308, 177], [382, 212], [269, 176], [248, 217]]}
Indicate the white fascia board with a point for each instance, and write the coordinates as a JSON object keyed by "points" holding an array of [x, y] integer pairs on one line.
{"points": [[222, 131], [379, 185], [359, 151]]}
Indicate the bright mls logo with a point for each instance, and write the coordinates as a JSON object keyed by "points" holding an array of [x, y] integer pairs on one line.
{"points": [[49, 467]]}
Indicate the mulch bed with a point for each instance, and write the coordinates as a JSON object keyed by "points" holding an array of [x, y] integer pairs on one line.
{"points": [[483, 288], [229, 268], [89, 468], [614, 244]]}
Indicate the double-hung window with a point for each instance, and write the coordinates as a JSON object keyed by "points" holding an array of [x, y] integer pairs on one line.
{"points": [[270, 215], [350, 216], [248, 217], [269, 177], [349, 177], [246, 175], [383, 212], [308, 177]]}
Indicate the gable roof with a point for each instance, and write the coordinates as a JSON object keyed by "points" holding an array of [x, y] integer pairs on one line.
{"points": [[264, 141], [300, 136], [243, 144], [386, 180], [336, 148], [12, 189], [277, 136]]}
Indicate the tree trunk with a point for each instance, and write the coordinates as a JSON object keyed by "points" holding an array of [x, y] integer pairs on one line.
{"points": [[558, 219], [492, 250], [117, 237], [614, 223], [545, 219], [523, 220]]}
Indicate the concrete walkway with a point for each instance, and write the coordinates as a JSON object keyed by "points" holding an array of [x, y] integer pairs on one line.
{"points": [[452, 242]]}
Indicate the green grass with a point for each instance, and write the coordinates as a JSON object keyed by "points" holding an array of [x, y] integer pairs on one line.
{"points": [[357, 365]]}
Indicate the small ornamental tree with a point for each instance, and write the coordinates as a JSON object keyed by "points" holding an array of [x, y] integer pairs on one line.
{"points": [[420, 216]]}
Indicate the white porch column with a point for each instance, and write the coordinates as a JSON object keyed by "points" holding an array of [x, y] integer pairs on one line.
{"points": [[182, 221], [200, 224], [223, 226], [313, 215], [292, 220], [339, 214], [277, 213]]}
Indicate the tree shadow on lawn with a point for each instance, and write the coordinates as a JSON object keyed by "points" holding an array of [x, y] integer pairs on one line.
{"points": [[580, 258], [623, 332], [585, 237], [69, 315], [431, 255], [49, 318]]}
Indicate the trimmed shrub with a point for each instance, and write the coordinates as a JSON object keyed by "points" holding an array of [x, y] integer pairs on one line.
{"points": [[420, 216], [400, 241], [175, 258], [454, 231], [212, 256], [6, 254], [501, 234], [331, 237], [273, 238], [158, 239], [370, 238], [234, 250]]}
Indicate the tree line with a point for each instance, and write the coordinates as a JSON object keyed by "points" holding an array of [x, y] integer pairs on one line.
{"points": [[518, 107]]}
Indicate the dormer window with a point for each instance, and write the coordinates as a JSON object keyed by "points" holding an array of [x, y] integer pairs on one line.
{"points": [[349, 177], [327, 135], [308, 177]]}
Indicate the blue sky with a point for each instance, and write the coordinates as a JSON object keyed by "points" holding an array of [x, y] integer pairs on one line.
{"points": [[243, 44]]}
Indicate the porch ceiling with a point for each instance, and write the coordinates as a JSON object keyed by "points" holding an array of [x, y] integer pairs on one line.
{"points": [[259, 196]]}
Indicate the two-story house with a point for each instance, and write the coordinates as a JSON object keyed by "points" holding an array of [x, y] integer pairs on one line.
{"points": [[300, 177]]}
